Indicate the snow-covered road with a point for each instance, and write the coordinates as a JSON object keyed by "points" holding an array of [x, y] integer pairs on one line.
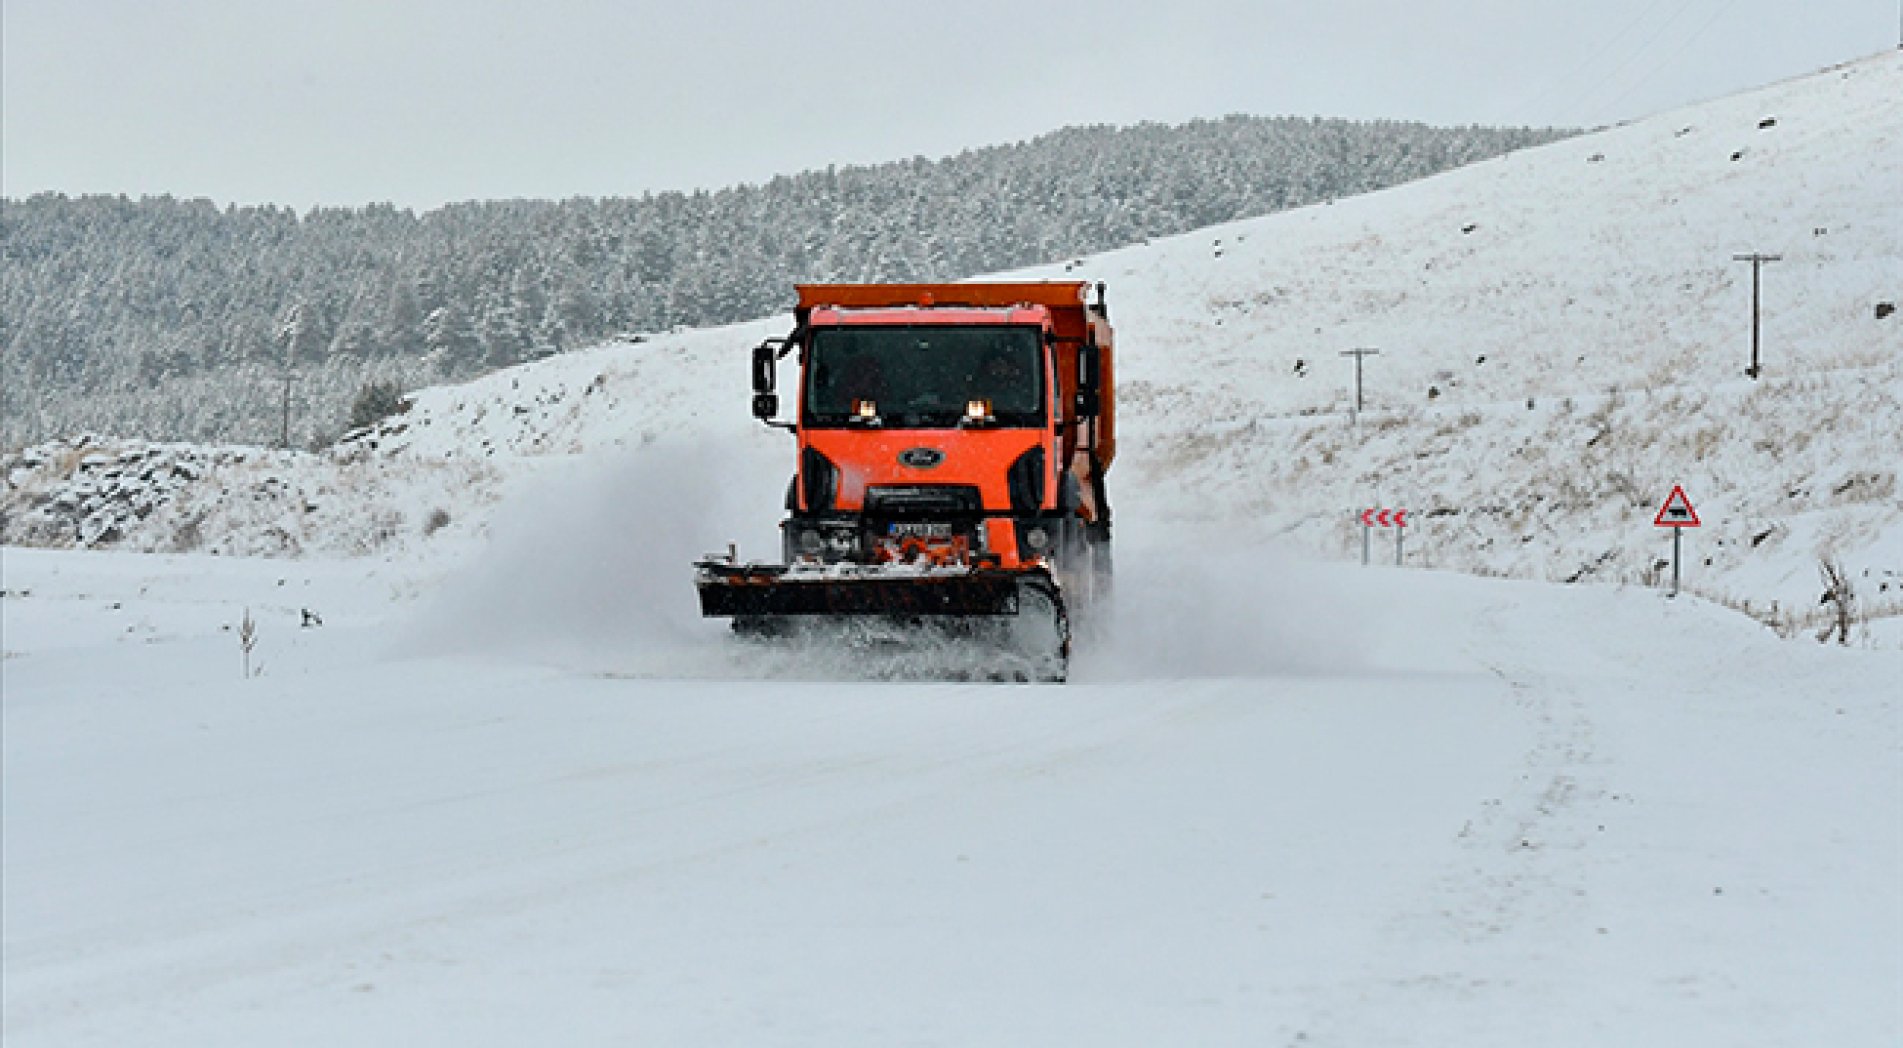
{"points": [[1319, 806]]}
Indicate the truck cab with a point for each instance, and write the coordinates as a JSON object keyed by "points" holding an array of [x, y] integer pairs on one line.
{"points": [[945, 425]]}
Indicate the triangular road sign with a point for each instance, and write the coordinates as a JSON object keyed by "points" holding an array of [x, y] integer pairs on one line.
{"points": [[1677, 511]]}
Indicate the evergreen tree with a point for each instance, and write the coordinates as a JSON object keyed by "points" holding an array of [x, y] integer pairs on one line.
{"points": [[401, 330], [175, 318], [300, 336], [449, 338], [356, 337], [504, 339]]}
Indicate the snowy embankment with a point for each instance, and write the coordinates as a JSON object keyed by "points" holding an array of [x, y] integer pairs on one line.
{"points": [[96, 493], [1562, 336]]}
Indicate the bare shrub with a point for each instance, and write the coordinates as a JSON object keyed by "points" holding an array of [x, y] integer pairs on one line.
{"points": [[189, 535], [1621, 481], [385, 525], [1705, 441], [69, 459], [247, 640], [1839, 599]]}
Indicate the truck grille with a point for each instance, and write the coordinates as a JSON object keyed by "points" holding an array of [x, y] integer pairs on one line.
{"points": [[923, 501]]}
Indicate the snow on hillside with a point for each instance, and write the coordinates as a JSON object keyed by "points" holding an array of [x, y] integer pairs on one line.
{"points": [[1282, 801], [103, 493], [1562, 335]]}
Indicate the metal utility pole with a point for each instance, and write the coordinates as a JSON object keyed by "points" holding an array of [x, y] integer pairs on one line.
{"points": [[1757, 265], [284, 434], [1358, 354]]}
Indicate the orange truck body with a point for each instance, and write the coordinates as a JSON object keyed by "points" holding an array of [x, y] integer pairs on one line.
{"points": [[953, 441]]}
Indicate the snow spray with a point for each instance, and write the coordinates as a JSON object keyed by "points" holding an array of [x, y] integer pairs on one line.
{"points": [[593, 568], [1255, 610]]}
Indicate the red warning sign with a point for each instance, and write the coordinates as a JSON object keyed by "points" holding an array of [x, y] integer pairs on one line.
{"points": [[1384, 518], [1677, 511]]}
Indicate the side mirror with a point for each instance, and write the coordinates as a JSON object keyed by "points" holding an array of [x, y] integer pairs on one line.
{"points": [[763, 360], [766, 403]]}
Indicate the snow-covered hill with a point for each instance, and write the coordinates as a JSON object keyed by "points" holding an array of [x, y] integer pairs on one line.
{"points": [[498, 783], [1562, 336]]}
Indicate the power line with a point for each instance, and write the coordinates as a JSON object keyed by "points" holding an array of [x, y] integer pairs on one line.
{"points": [[1631, 57], [1553, 86], [1697, 34]]}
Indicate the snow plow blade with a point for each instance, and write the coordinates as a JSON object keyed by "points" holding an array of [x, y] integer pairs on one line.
{"points": [[728, 590], [1018, 615]]}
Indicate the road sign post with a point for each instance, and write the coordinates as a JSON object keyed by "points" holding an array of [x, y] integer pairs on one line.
{"points": [[1677, 514], [1383, 518]]}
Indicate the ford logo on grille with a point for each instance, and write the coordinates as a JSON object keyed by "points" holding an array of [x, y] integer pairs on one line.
{"points": [[921, 458]]}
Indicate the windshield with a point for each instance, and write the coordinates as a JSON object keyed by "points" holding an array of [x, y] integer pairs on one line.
{"points": [[925, 376]]}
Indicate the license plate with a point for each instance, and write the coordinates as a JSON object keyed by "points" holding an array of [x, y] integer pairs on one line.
{"points": [[930, 529]]}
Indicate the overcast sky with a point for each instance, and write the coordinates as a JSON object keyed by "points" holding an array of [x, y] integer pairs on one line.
{"points": [[421, 102]]}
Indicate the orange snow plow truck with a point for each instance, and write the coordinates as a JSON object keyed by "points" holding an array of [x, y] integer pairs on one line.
{"points": [[953, 441]]}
